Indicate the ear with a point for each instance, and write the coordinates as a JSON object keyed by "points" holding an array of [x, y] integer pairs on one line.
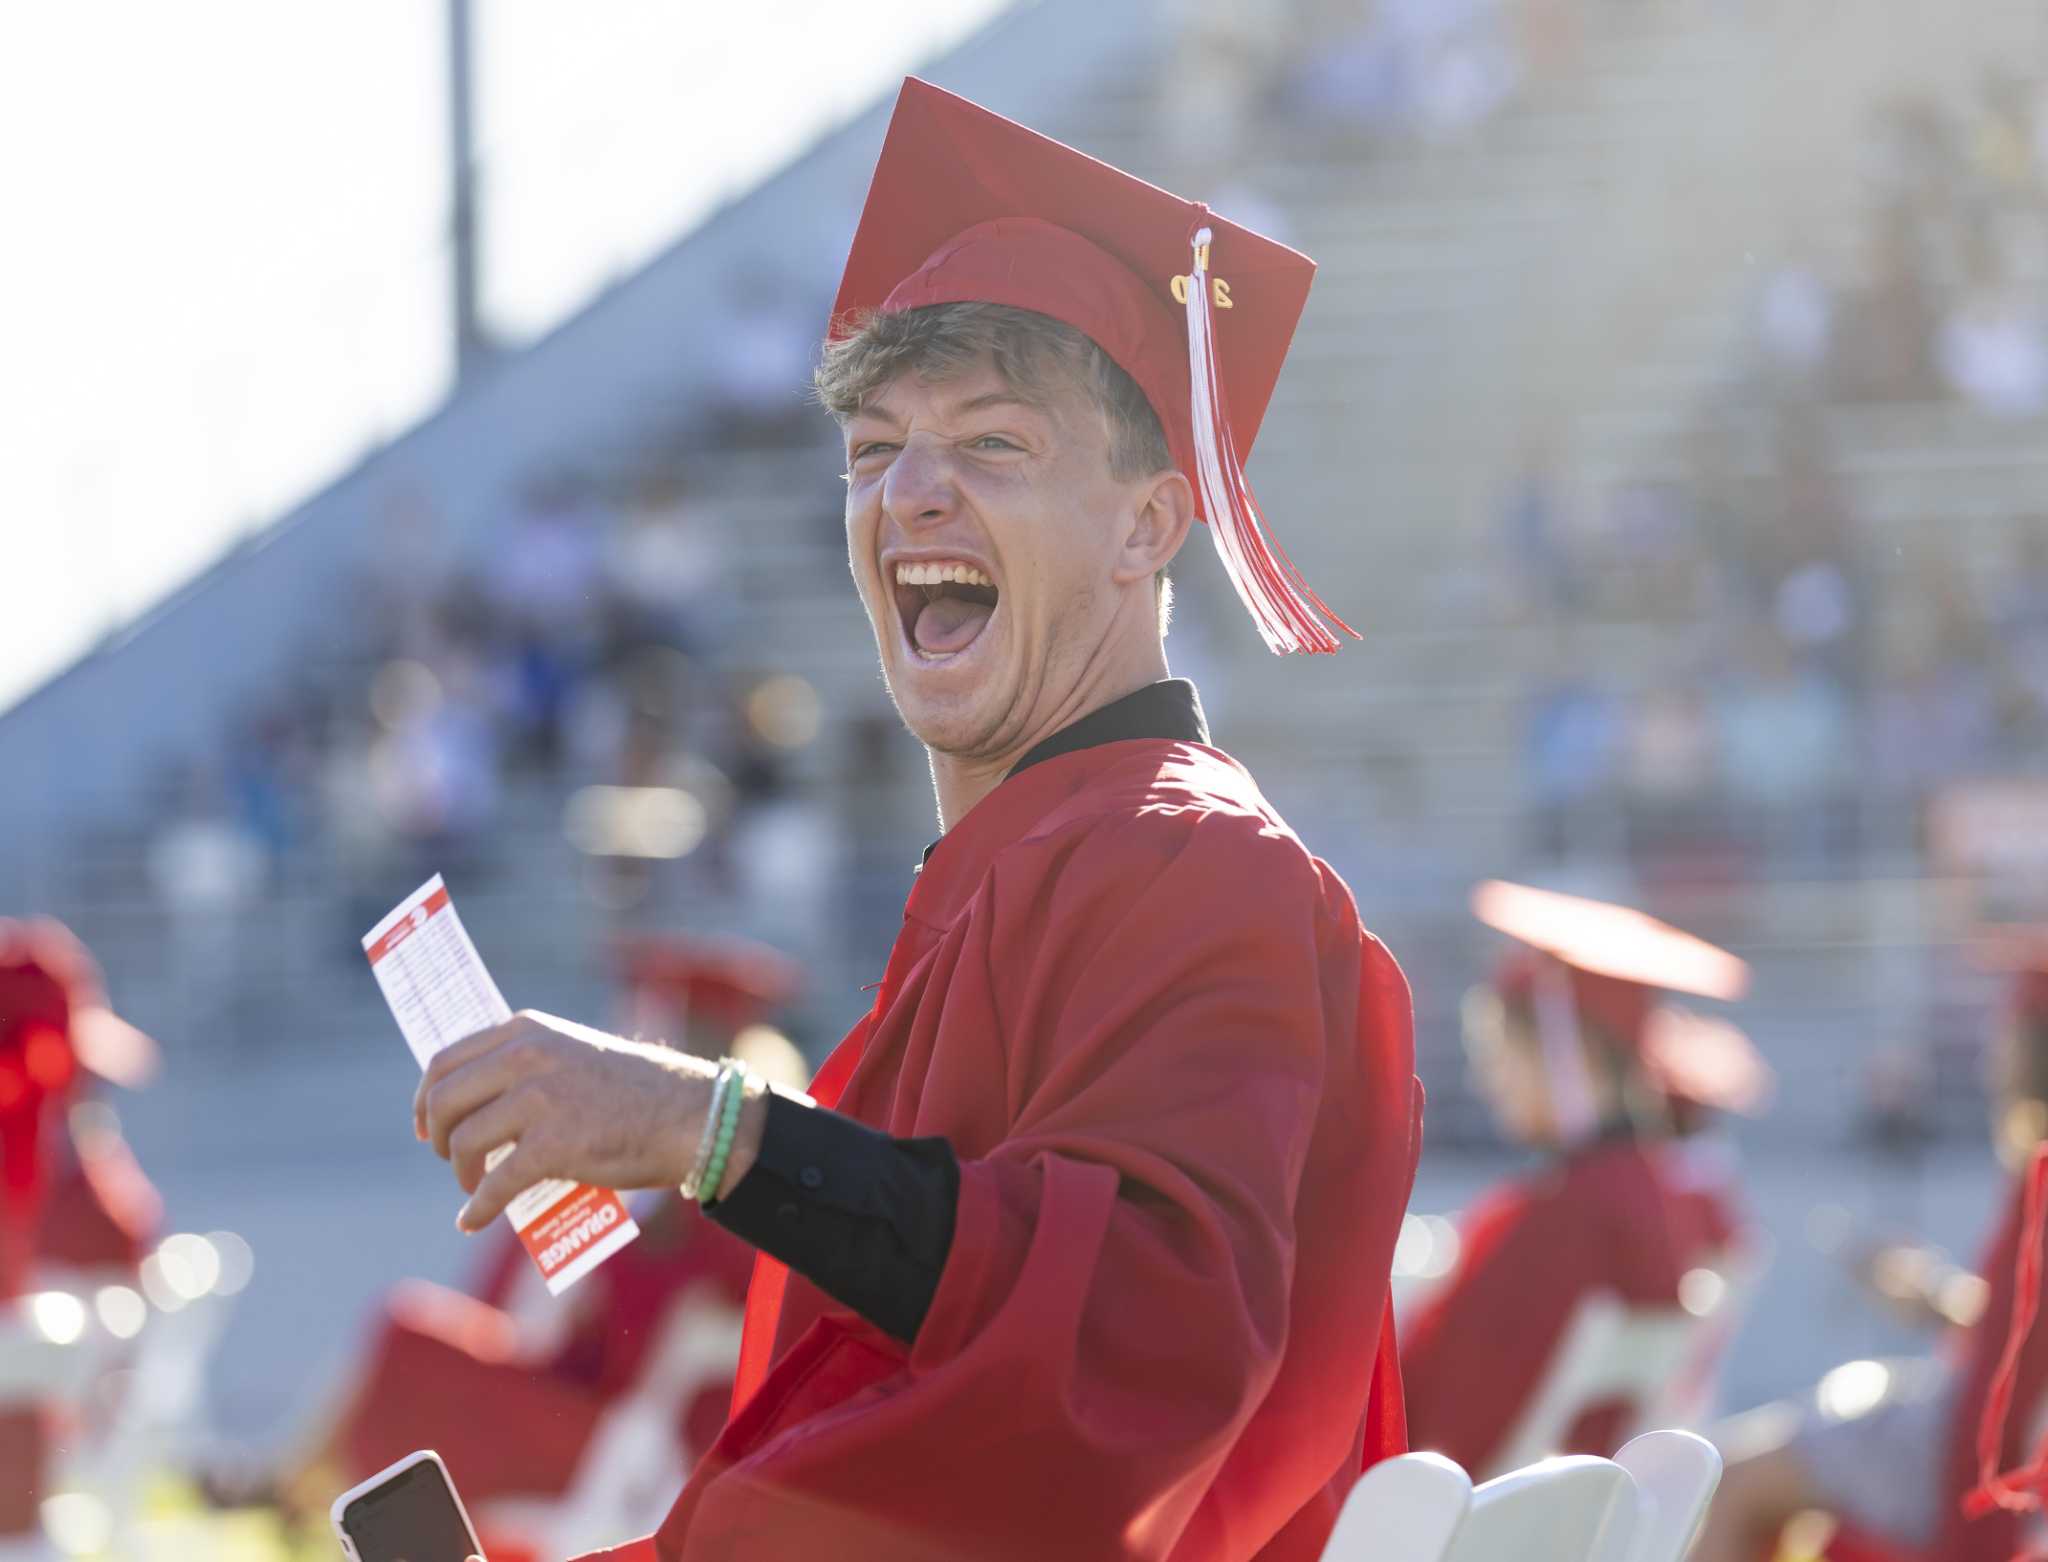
{"points": [[1162, 508]]}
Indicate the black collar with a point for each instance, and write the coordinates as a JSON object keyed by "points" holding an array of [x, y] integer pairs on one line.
{"points": [[1167, 709]]}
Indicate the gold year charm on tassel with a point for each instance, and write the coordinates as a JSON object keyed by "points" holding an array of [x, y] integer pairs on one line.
{"points": [[1219, 292]]}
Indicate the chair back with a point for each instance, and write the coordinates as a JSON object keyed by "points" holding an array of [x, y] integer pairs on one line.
{"points": [[1645, 1505], [1402, 1510], [1676, 1474], [1571, 1509], [1611, 1353], [1423, 1508]]}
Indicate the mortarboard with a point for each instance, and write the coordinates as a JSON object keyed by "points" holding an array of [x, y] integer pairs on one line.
{"points": [[53, 1019], [1617, 963], [2021, 953], [1705, 1060], [967, 206], [1618, 947], [54, 1010]]}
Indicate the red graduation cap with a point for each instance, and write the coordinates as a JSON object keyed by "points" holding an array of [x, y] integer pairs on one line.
{"points": [[1616, 943], [1705, 1060], [1617, 963], [53, 1019], [54, 1011], [2020, 952], [969, 207]]}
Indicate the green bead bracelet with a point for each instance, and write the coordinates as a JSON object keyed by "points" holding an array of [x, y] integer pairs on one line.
{"points": [[728, 1130]]}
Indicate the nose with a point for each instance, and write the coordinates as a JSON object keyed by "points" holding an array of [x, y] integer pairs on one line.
{"points": [[918, 489]]}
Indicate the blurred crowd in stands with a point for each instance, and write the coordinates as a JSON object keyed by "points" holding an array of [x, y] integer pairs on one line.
{"points": [[1357, 77], [577, 661], [1947, 291], [1807, 685]]}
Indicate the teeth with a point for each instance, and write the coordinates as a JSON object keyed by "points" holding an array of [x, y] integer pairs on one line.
{"points": [[938, 574]]}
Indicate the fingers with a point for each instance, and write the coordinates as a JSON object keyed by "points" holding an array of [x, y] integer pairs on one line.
{"points": [[501, 1120], [505, 1182], [464, 1089], [451, 1058]]}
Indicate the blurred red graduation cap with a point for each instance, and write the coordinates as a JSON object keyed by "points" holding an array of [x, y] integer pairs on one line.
{"points": [[1619, 962], [2020, 952], [1705, 1060], [54, 1011], [967, 206], [722, 979]]}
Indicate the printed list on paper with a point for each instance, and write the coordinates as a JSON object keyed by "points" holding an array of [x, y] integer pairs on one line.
{"points": [[440, 992]]}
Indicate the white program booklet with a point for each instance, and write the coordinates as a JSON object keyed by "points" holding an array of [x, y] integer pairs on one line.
{"points": [[439, 992]]}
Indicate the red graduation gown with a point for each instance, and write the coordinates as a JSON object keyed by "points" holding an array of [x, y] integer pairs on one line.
{"points": [[101, 1211], [1975, 1351], [1973, 1355], [1604, 1220], [1178, 1074]]}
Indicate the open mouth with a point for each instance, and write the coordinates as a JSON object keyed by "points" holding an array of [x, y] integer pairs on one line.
{"points": [[944, 606]]}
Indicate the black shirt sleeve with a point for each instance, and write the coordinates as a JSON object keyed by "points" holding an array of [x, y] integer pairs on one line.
{"points": [[866, 1218]]}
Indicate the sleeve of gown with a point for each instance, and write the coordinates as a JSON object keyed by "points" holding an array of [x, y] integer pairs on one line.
{"points": [[1114, 1304], [1476, 1352]]}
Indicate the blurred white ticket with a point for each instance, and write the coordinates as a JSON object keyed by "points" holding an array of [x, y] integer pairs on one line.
{"points": [[439, 992]]}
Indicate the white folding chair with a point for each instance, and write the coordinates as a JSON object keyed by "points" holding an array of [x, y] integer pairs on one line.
{"points": [[1675, 1474], [1402, 1510], [165, 1350], [1689, 1395], [1570, 1509], [1610, 1352], [1423, 1508], [1645, 1505]]}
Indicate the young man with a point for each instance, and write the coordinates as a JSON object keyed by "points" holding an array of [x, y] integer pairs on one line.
{"points": [[1068, 1247], [1575, 1050]]}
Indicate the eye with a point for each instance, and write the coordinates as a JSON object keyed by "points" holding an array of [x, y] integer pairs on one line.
{"points": [[994, 442], [869, 447]]}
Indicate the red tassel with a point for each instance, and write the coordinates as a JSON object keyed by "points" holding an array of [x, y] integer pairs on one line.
{"points": [[1287, 610], [2019, 1490]]}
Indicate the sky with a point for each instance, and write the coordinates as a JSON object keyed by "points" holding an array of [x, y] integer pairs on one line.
{"points": [[224, 273]]}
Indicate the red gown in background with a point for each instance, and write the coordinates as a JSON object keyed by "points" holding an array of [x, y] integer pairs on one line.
{"points": [[1608, 1218], [101, 1211], [1973, 1355], [1178, 1074], [451, 1372]]}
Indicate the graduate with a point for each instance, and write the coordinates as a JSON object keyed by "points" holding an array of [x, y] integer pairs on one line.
{"points": [[1943, 1466], [1576, 1050], [1067, 1250], [68, 1200]]}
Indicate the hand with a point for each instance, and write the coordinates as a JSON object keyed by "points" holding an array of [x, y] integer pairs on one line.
{"points": [[574, 1102]]}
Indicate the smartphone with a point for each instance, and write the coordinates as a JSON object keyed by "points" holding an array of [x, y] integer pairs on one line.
{"points": [[406, 1513]]}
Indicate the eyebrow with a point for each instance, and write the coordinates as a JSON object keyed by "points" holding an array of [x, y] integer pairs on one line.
{"points": [[981, 403]]}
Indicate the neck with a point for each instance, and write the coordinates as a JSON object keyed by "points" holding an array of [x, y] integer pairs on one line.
{"points": [[961, 781]]}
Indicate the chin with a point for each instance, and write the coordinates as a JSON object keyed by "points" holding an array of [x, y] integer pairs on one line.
{"points": [[960, 705], [963, 725]]}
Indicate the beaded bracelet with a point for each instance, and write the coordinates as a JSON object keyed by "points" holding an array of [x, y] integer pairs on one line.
{"points": [[707, 1140], [728, 1130]]}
